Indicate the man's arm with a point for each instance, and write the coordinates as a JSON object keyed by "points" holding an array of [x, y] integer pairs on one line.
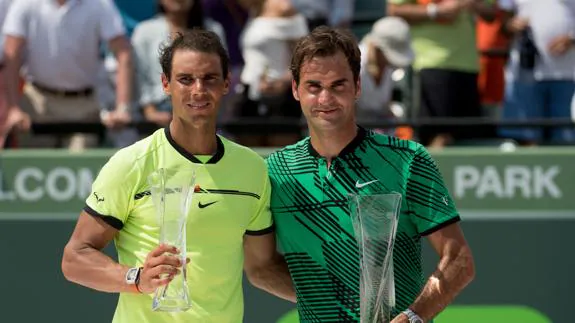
{"points": [[13, 53], [266, 268], [444, 11], [84, 262], [454, 272], [121, 48], [13, 116]]}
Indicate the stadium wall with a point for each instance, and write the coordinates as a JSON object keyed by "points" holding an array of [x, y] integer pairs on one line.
{"points": [[518, 210]]}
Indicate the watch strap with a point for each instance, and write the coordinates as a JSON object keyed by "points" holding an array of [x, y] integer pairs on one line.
{"points": [[412, 316]]}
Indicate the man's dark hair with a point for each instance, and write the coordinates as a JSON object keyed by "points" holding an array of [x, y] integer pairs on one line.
{"points": [[197, 40], [326, 41]]}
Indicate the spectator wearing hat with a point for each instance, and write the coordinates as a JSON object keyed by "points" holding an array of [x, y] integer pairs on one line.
{"points": [[384, 49]]}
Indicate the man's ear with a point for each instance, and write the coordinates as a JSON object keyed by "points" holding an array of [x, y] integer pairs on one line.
{"points": [[166, 84], [358, 88], [227, 83], [294, 89]]}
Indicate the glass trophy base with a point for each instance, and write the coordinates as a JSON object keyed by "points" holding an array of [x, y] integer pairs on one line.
{"points": [[171, 305]]}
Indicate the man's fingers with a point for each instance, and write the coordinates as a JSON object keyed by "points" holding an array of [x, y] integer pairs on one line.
{"points": [[165, 259], [157, 282], [162, 271], [163, 248]]}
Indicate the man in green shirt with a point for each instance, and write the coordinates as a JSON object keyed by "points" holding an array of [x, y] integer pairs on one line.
{"points": [[228, 230], [312, 179], [446, 62]]}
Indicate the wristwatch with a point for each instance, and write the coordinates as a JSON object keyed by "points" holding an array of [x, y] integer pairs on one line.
{"points": [[133, 276], [431, 10], [412, 317]]}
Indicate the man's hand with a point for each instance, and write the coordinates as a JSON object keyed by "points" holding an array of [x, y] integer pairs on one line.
{"points": [[161, 118], [516, 24], [161, 266], [560, 45], [448, 10], [15, 119], [116, 118]]}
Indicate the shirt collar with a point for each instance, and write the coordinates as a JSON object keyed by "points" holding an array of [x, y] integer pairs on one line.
{"points": [[350, 148], [215, 158]]}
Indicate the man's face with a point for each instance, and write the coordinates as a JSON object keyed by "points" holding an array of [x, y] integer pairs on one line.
{"points": [[327, 92], [196, 87]]}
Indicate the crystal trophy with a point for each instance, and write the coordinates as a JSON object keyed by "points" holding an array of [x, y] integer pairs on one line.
{"points": [[375, 219], [172, 192]]}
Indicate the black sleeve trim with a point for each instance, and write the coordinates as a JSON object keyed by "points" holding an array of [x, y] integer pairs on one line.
{"points": [[112, 221], [440, 226], [261, 232]]}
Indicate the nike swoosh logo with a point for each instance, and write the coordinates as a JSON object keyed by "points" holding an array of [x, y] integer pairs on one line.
{"points": [[360, 185], [201, 206]]}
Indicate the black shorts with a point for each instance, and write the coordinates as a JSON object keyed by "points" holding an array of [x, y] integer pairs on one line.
{"points": [[450, 94]]}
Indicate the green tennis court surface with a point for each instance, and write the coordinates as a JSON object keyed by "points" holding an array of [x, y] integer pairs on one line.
{"points": [[472, 314]]}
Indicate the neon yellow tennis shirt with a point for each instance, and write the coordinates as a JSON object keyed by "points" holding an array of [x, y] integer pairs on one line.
{"points": [[238, 203]]}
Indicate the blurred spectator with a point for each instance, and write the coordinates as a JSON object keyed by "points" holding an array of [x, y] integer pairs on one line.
{"points": [[58, 44], [335, 13], [447, 62], [384, 49], [540, 73], [149, 36], [5, 127], [233, 18], [267, 44], [493, 46]]}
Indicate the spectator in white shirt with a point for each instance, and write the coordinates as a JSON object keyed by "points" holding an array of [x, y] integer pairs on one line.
{"points": [[385, 48], [540, 76], [267, 42], [58, 43]]}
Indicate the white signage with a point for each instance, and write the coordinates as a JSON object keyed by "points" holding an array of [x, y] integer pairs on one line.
{"points": [[508, 182], [60, 184]]}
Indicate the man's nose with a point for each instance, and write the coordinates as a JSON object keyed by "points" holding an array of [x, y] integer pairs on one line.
{"points": [[325, 97], [199, 85]]}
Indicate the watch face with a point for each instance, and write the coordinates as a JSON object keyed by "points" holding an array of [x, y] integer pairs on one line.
{"points": [[131, 275]]}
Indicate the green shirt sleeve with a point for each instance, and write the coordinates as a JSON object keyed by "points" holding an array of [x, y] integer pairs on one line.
{"points": [[111, 197], [429, 202], [261, 222]]}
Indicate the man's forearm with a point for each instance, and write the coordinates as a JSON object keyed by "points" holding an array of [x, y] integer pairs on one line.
{"points": [[452, 275], [93, 269], [410, 12], [274, 279], [11, 80], [124, 78]]}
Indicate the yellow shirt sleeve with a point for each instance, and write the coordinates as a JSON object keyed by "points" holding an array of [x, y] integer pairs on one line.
{"points": [[261, 222], [111, 197]]}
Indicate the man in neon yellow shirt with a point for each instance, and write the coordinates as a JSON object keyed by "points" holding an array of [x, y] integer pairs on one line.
{"points": [[230, 225]]}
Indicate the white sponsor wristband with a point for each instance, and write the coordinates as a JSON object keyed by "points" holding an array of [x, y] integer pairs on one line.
{"points": [[431, 11]]}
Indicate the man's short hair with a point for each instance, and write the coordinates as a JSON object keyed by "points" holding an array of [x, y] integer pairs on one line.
{"points": [[326, 41], [198, 40]]}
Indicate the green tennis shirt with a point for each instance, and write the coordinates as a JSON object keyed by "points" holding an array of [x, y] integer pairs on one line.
{"points": [[311, 212], [233, 201]]}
